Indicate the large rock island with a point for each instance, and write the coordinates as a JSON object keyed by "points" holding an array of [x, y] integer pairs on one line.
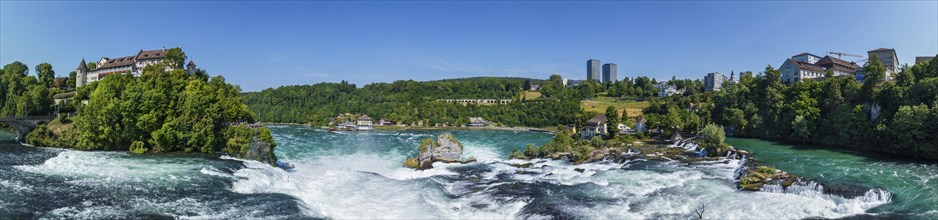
{"points": [[444, 149], [164, 108]]}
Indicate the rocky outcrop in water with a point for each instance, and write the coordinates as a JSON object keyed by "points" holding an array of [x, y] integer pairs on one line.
{"points": [[444, 149], [260, 146]]}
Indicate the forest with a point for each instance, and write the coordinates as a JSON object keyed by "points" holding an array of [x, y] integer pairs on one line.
{"points": [[412, 102], [895, 116]]}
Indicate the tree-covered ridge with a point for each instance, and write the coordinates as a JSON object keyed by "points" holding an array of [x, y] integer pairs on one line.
{"points": [[411, 101], [160, 111], [164, 111], [894, 116]]}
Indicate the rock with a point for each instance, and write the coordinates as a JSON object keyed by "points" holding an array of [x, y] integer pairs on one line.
{"points": [[524, 165], [261, 147], [411, 163], [444, 149], [470, 160], [579, 170]]}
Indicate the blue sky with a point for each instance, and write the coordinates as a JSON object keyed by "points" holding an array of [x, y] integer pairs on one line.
{"points": [[269, 44]]}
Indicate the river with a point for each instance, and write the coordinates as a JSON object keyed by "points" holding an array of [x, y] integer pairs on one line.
{"points": [[359, 175]]}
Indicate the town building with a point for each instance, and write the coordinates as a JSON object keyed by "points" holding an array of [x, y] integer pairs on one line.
{"points": [[665, 90], [795, 70], [837, 66], [60, 82], [713, 81], [385, 122], [609, 73], [122, 65], [572, 82], [889, 59], [592, 70], [806, 57], [478, 122], [923, 59], [595, 126], [640, 124], [364, 123], [63, 98]]}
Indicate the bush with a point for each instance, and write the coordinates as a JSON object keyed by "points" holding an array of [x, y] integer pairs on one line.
{"points": [[712, 139], [531, 151], [138, 147], [516, 154], [40, 137]]}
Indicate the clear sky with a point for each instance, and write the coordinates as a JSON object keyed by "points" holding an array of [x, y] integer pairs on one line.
{"points": [[269, 44]]}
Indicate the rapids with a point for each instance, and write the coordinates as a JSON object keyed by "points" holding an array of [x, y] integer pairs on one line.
{"points": [[360, 175]]}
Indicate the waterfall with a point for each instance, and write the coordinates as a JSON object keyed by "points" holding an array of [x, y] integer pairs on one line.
{"points": [[816, 190]]}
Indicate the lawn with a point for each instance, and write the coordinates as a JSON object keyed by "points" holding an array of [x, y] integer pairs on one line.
{"points": [[600, 104], [530, 95]]}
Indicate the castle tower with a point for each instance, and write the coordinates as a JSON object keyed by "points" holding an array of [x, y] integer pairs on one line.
{"points": [[81, 72], [190, 68]]}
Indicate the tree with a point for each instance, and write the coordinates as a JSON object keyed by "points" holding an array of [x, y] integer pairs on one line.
{"points": [[612, 121], [45, 74], [176, 58], [72, 78], [801, 129], [17, 68], [874, 72], [712, 139]]}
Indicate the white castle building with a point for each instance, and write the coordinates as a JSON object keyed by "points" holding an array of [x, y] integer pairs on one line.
{"points": [[123, 65]]}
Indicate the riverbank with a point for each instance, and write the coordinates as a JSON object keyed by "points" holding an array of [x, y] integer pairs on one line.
{"points": [[866, 152], [245, 141], [406, 128]]}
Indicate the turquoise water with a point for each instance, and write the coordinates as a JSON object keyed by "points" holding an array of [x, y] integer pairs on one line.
{"points": [[913, 184], [359, 175]]}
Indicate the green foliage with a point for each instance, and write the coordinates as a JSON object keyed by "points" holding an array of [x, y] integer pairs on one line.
{"points": [[612, 125], [531, 151], [40, 137], [838, 110], [516, 154], [712, 138], [72, 77], [45, 74], [161, 112], [411, 102], [425, 145], [138, 147], [176, 58]]}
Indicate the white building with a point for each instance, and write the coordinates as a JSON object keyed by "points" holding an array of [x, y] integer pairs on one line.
{"points": [[572, 82], [794, 70], [364, 123], [595, 126], [806, 58], [122, 65], [665, 90], [810, 66]]}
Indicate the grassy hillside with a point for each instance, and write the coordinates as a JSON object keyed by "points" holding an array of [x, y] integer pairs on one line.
{"points": [[599, 105]]}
